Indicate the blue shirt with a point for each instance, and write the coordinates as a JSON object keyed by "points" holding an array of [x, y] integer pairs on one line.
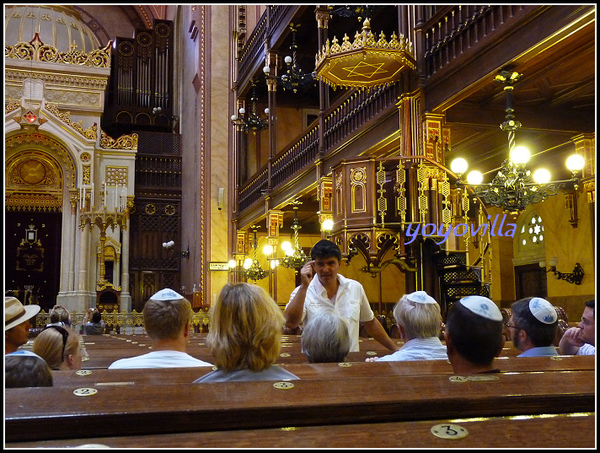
{"points": [[541, 351]]}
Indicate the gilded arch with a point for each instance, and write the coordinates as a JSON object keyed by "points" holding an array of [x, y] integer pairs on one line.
{"points": [[37, 170]]}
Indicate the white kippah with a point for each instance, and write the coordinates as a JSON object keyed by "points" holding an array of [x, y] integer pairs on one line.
{"points": [[543, 310], [482, 306], [167, 294], [421, 297]]}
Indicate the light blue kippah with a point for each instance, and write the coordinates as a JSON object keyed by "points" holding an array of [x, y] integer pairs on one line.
{"points": [[543, 310], [482, 306], [167, 294], [421, 297]]}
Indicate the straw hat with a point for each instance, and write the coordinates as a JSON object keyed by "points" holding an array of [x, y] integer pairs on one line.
{"points": [[15, 312]]}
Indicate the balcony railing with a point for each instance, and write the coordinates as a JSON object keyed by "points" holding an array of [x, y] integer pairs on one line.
{"points": [[454, 31]]}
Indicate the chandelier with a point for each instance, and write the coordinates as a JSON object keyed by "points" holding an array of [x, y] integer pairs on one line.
{"points": [[252, 267], [294, 255], [365, 63], [252, 122], [514, 187], [293, 78]]}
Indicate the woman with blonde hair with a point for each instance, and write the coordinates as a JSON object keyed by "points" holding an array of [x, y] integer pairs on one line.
{"points": [[60, 347], [245, 336]]}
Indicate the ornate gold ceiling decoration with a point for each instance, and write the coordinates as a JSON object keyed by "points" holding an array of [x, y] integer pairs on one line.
{"points": [[123, 142], [90, 132], [36, 50], [365, 63]]}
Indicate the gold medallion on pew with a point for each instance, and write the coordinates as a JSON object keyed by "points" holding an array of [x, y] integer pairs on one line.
{"points": [[283, 385], [344, 364], [85, 392], [555, 357], [458, 378], [449, 431], [371, 353], [83, 372], [284, 354]]}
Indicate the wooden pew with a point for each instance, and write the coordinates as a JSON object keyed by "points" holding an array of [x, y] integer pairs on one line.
{"points": [[552, 431], [103, 350], [346, 370], [34, 413]]}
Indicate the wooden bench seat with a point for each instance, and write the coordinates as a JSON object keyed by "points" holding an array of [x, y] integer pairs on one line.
{"points": [[103, 350], [346, 370], [551, 431], [126, 410]]}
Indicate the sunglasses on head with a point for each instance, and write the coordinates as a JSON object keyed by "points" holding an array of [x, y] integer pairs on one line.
{"points": [[65, 335]]}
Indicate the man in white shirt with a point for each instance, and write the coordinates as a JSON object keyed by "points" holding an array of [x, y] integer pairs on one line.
{"points": [[167, 322], [419, 319], [581, 340], [334, 292]]}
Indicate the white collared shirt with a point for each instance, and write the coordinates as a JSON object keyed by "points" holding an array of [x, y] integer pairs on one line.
{"points": [[159, 359], [351, 304]]}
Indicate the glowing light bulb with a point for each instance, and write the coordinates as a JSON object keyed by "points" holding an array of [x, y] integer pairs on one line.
{"points": [[459, 165], [541, 176], [575, 162], [327, 225], [475, 177], [520, 155]]}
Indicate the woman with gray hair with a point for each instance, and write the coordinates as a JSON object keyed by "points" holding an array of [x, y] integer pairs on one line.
{"points": [[419, 321], [325, 338]]}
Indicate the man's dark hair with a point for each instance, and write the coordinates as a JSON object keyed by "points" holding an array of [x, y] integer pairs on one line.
{"points": [[59, 314], [475, 338], [539, 333], [592, 304], [26, 371], [96, 317], [325, 249]]}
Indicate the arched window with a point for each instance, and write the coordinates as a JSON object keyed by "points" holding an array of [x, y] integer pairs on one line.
{"points": [[529, 250]]}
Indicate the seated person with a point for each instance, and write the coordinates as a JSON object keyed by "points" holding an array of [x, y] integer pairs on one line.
{"points": [[581, 340], [419, 320], [17, 322], [532, 327], [26, 369], [325, 338], [245, 336], [60, 347], [95, 326], [60, 316], [167, 316], [473, 335]]}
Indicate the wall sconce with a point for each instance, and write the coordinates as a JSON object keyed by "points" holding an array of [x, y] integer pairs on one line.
{"points": [[326, 227], [184, 253], [158, 114], [574, 277]]}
